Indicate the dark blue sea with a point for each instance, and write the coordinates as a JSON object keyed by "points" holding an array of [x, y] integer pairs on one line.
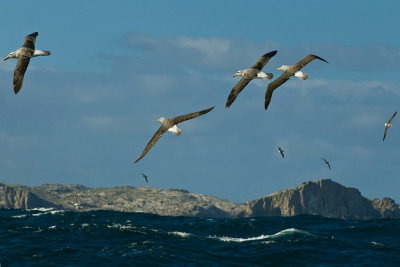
{"points": [[108, 238]]}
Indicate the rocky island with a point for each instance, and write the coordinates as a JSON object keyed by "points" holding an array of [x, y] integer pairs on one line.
{"points": [[321, 197]]}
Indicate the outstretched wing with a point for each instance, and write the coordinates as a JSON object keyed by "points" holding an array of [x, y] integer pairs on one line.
{"points": [[327, 163], [390, 120], [19, 72], [189, 116], [236, 90], [30, 40], [263, 60], [151, 143], [384, 134], [273, 85], [299, 65]]}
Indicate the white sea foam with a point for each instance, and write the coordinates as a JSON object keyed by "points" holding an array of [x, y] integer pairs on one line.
{"points": [[20, 216], [41, 209], [49, 211], [377, 244], [52, 227], [181, 234], [285, 232]]}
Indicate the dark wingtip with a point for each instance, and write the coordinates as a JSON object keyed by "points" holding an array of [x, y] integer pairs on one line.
{"points": [[320, 58], [271, 54], [34, 34]]}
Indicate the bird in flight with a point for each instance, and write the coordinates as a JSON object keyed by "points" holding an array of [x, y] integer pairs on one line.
{"points": [[280, 150], [24, 55], [170, 125], [289, 71], [327, 163], [249, 74], [145, 177], [387, 125]]}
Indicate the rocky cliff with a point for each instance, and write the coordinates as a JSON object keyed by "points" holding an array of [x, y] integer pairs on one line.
{"points": [[321, 197], [172, 202]]}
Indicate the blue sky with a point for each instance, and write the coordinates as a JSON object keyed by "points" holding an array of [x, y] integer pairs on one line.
{"points": [[86, 112]]}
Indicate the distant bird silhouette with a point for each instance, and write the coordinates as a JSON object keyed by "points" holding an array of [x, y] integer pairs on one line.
{"points": [[170, 125], [387, 125], [280, 150], [145, 177], [249, 74], [24, 55], [290, 71], [327, 162]]}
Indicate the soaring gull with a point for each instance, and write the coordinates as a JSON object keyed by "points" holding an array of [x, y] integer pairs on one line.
{"points": [[327, 163], [170, 125], [24, 54], [280, 150], [387, 125], [249, 74], [290, 71]]}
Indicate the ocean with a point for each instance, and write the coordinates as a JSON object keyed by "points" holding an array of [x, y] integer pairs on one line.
{"points": [[46, 237]]}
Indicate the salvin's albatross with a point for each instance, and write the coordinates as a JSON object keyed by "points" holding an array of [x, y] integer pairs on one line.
{"points": [[249, 74], [387, 125], [327, 163], [280, 150], [145, 177], [170, 125], [290, 71], [24, 55]]}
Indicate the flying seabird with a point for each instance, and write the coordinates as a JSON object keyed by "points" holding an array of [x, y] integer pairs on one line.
{"points": [[170, 125], [24, 54], [145, 177], [249, 74], [387, 125], [280, 150], [327, 163], [290, 71]]}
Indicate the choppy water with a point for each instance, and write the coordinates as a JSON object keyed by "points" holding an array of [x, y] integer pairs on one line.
{"points": [[108, 238]]}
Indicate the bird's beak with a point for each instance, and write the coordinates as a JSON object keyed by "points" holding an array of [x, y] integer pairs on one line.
{"points": [[279, 68], [7, 57], [234, 75]]}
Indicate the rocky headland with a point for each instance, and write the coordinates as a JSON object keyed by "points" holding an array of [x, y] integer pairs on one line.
{"points": [[322, 197]]}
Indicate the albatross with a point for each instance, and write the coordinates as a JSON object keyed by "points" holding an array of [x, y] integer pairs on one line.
{"points": [[387, 125], [249, 74], [24, 55], [327, 163], [170, 125], [145, 177], [280, 150], [289, 71]]}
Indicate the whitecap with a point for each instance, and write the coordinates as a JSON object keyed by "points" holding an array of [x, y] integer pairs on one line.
{"points": [[41, 209], [52, 227], [181, 234], [285, 232], [19, 216], [377, 244]]}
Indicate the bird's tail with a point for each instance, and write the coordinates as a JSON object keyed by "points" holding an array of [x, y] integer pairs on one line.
{"points": [[301, 75]]}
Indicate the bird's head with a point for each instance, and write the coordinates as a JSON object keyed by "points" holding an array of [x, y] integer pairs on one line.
{"points": [[238, 73], [162, 119], [12, 54], [283, 67]]}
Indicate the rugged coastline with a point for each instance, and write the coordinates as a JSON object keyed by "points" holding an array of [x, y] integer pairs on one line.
{"points": [[321, 197]]}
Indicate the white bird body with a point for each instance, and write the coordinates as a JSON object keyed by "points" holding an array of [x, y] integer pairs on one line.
{"points": [[175, 130], [254, 74], [388, 124], [301, 75]]}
